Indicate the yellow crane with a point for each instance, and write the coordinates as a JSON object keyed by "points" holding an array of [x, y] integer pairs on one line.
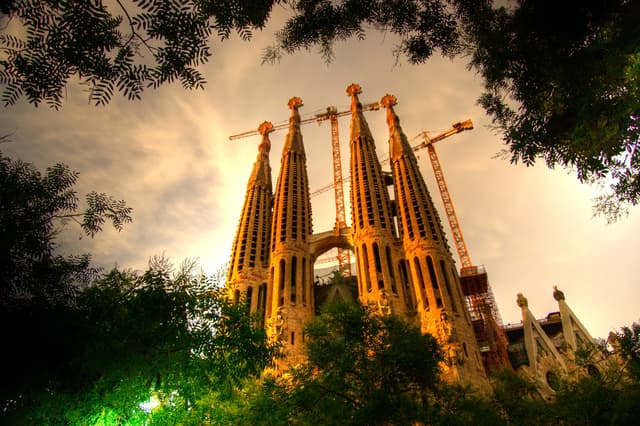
{"points": [[474, 281], [332, 114]]}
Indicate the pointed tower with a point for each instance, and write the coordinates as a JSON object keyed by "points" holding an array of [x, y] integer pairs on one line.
{"points": [[374, 242], [436, 284], [249, 267], [291, 268]]}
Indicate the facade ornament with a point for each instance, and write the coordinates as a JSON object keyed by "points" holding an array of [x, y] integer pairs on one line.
{"points": [[384, 304], [522, 301], [276, 324], [445, 326], [557, 294]]}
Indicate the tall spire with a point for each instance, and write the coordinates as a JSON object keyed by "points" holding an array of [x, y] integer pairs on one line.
{"points": [[416, 212], [293, 141], [436, 283], [261, 174], [373, 230], [291, 265], [248, 270]]}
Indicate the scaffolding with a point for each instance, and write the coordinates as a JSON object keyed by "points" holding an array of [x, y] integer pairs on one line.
{"points": [[485, 318]]}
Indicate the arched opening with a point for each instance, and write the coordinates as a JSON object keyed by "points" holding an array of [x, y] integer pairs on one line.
{"points": [[333, 283]]}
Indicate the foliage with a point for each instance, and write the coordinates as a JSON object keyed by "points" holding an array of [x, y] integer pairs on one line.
{"points": [[561, 85], [561, 80], [137, 338], [423, 26], [101, 43], [627, 347], [32, 207], [518, 400], [362, 369]]}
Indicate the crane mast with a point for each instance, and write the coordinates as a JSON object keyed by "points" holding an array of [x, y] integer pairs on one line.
{"points": [[456, 232], [487, 325], [344, 257]]}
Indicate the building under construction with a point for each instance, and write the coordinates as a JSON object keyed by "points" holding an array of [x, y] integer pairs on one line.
{"points": [[403, 262]]}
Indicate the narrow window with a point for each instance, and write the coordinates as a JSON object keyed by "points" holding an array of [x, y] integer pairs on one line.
{"points": [[376, 256], [452, 296], [262, 300], [387, 252], [293, 337], [249, 297], [406, 284], [294, 267], [236, 296], [434, 282], [304, 280], [365, 263], [281, 286], [416, 264]]}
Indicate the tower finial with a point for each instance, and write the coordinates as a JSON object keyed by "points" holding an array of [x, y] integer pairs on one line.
{"points": [[522, 301], [294, 121], [388, 101], [295, 103], [354, 90], [557, 294], [264, 129]]}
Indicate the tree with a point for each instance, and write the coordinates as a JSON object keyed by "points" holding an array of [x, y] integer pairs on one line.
{"points": [[33, 206], [101, 44], [561, 80], [145, 347], [362, 369]]}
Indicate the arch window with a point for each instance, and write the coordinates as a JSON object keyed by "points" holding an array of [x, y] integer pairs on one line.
{"points": [[434, 282]]}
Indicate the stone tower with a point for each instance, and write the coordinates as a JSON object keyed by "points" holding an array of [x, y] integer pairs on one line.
{"points": [[374, 242], [440, 303], [291, 269], [249, 268]]}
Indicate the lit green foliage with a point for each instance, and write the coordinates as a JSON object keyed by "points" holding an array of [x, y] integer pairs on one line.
{"points": [[362, 369], [136, 337]]}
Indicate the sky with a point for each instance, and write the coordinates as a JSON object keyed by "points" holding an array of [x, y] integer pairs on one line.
{"points": [[170, 158]]}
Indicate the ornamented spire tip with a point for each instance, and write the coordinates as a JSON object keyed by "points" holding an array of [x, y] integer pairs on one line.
{"points": [[265, 128], [354, 89], [295, 103], [388, 101]]}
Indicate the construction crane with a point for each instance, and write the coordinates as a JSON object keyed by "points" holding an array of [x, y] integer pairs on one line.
{"points": [[332, 114], [474, 281], [457, 128]]}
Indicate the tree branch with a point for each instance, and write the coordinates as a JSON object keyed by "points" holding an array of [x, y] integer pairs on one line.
{"points": [[134, 33]]}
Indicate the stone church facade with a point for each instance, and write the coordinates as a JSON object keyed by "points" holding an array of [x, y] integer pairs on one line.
{"points": [[404, 264]]}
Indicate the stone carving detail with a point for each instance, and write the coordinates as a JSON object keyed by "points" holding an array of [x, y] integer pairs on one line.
{"points": [[277, 324], [384, 304], [522, 301]]}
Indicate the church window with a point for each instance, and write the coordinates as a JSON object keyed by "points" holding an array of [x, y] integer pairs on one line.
{"points": [[376, 256], [249, 297], [365, 264], [434, 282], [452, 297], [294, 266]]}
